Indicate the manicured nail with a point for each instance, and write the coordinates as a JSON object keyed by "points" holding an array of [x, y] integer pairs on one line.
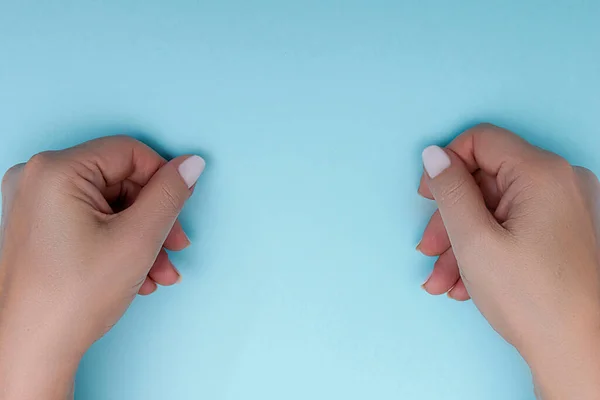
{"points": [[191, 169], [435, 161]]}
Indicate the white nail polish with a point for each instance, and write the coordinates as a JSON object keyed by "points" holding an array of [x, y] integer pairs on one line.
{"points": [[191, 169], [435, 161]]}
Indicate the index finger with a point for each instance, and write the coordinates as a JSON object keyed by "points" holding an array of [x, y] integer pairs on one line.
{"points": [[113, 159], [489, 148]]}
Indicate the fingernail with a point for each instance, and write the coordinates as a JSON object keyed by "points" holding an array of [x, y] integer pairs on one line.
{"points": [[425, 283], [178, 275], [191, 169], [418, 248], [435, 161], [188, 242]]}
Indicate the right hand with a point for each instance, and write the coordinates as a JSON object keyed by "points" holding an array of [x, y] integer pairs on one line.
{"points": [[517, 231]]}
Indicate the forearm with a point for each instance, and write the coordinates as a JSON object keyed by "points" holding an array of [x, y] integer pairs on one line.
{"points": [[570, 372], [35, 361], [28, 376], [568, 385]]}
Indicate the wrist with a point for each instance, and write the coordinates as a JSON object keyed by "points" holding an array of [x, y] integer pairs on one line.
{"points": [[35, 373], [36, 359], [568, 368]]}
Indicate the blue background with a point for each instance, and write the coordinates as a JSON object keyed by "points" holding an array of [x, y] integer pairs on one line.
{"points": [[302, 282]]}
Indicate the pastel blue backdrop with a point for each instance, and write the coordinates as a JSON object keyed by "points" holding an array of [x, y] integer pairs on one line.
{"points": [[303, 281]]}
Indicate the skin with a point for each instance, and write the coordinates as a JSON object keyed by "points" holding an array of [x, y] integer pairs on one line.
{"points": [[60, 289], [516, 231]]}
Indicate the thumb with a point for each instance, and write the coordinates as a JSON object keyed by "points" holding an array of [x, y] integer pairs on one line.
{"points": [[159, 203], [459, 199]]}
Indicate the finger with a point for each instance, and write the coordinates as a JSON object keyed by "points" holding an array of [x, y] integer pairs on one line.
{"points": [[444, 276], [459, 199], [177, 239], [148, 287], [590, 187], [486, 182], [163, 271], [423, 189], [492, 149], [12, 175], [589, 183], [459, 292], [9, 182], [123, 194], [110, 160], [489, 189], [152, 216], [9, 185], [102, 163], [435, 239]]}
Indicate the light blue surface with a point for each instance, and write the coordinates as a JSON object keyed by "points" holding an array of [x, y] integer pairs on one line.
{"points": [[303, 282]]}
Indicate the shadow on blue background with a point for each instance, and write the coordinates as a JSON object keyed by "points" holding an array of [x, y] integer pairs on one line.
{"points": [[303, 282]]}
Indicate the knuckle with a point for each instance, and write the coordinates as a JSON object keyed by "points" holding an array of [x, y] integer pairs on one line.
{"points": [[586, 172], [5, 180], [125, 139], [561, 165], [557, 169], [549, 169], [588, 175], [490, 133], [43, 170], [489, 129], [171, 199], [454, 191], [10, 175], [38, 163]]}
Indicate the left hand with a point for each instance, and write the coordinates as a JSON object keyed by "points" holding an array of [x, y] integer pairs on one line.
{"points": [[84, 230]]}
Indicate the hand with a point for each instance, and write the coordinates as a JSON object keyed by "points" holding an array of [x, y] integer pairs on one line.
{"points": [[83, 231], [517, 230]]}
